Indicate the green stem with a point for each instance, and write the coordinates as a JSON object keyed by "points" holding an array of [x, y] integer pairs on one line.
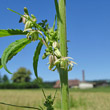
{"points": [[63, 73], [64, 89]]}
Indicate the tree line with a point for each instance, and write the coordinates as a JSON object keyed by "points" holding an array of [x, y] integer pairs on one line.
{"points": [[21, 79]]}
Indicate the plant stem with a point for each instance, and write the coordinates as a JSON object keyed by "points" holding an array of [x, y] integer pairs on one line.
{"points": [[63, 73], [64, 89]]}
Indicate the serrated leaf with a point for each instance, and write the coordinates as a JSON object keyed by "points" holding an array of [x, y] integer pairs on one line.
{"points": [[36, 57], [11, 32], [12, 50]]}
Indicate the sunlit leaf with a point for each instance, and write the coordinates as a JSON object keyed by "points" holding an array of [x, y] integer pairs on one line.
{"points": [[11, 32], [57, 10], [36, 57], [14, 11], [12, 50]]}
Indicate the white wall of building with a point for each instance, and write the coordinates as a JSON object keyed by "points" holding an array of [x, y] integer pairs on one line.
{"points": [[84, 85]]}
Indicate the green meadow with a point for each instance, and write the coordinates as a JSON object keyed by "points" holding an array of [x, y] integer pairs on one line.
{"points": [[89, 99]]}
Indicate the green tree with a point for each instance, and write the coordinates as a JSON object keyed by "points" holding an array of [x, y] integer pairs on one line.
{"points": [[5, 79], [38, 80], [22, 75], [0, 78]]}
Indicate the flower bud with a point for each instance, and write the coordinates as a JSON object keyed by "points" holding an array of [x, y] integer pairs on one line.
{"points": [[34, 35], [33, 18], [44, 56], [55, 45], [47, 53], [57, 53], [51, 61], [28, 25], [24, 18], [55, 58], [26, 11], [47, 49], [47, 39]]}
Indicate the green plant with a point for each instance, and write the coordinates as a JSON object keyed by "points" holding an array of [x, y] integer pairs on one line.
{"points": [[54, 40], [49, 101], [22, 75], [5, 79]]}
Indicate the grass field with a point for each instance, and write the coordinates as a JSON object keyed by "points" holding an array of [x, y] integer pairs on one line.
{"points": [[91, 99]]}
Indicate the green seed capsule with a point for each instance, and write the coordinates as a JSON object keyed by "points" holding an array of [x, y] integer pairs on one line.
{"points": [[34, 35], [47, 53], [26, 11], [51, 60], [28, 25], [54, 44], [44, 56], [47, 50], [47, 39], [57, 53]]}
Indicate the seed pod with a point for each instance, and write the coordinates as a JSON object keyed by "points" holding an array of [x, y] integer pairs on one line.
{"points": [[26, 11], [28, 25], [28, 34], [47, 53], [56, 45], [57, 62], [47, 49], [44, 56], [23, 19], [55, 58], [51, 61], [34, 35], [33, 18], [57, 53], [50, 48], [47, 39]]}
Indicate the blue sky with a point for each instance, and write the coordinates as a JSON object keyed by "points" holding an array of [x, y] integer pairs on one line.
{"points": [[88, 29]]}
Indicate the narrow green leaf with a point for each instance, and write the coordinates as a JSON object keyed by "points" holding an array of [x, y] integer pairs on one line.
{"points": [[14, 11], [36, 57], [12, 50], [11, 32], [57, 10], [54, 23]]}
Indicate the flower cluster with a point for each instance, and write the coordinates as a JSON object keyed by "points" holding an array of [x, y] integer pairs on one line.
{"points": [[51, 40]]}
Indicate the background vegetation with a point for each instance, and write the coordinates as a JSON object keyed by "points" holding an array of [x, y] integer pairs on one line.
{"points": [[90, 99], [21, 79]]}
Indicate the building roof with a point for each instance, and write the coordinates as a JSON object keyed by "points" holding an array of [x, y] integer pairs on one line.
{"points": [[70, 83]]}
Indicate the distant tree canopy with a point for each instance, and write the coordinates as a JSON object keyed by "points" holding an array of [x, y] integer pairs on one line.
{"points": [[0, 78], [38, 80], [22, 75], [5, 79]]}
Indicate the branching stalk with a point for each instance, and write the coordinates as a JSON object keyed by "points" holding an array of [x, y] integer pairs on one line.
{"points": [[63, 73]]}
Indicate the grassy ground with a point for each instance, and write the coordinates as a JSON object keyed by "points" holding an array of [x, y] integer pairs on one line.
{"points": [[91, 99]]}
